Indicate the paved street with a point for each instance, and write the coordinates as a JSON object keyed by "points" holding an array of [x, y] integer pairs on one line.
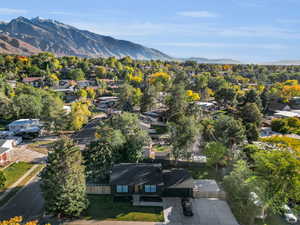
{"points": [[28, 203]]}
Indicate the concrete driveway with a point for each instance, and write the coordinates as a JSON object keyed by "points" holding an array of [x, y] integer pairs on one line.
{"points": [[206, 212]]}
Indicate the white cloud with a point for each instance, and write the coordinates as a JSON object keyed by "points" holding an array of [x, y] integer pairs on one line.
{"points": [[198, 14], [7, 11]]}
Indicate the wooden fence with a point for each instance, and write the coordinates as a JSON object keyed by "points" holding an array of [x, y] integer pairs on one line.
{"points": [[98, 189], [209, 194]]}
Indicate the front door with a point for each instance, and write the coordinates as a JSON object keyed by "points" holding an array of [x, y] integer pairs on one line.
{"points": [[136, 188]]}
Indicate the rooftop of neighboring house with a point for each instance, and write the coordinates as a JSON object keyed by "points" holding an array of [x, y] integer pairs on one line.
{"points": [[24, 121], [292, 113], [32, 79]]}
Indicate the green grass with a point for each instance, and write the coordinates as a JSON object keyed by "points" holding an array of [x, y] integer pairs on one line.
{"points": [[103, 208], [14, 172], [162, 148]]}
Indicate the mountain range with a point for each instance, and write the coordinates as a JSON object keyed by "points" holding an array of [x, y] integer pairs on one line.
{"points": [[30, 36], [50, 35]]}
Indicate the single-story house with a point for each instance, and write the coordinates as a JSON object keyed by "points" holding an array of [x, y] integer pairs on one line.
{"points": [[23, 124], [34, 81], [5, 149], [287, 114], [150, 180], [26, 128]]}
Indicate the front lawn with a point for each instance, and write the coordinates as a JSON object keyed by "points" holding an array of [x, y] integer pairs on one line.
{"points": [[103, 208], [14, 172]]}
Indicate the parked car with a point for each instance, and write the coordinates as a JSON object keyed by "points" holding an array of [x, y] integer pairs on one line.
{"points": [[187, 207], [289, 215]]}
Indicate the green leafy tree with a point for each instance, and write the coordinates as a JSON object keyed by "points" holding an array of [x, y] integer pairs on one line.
{"points": [[76, 74], [101, 154], [183, 134], [226, 96], [252, 132], [177, 102], [238, 187], [229, 131], [215, 153], [250, 113], [27, 106], [130, 97], [63, 180], [148, 98], [2, 179], [277, 172], [136, 138]]}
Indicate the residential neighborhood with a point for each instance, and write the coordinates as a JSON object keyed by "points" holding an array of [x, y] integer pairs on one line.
{"points": [[150, 112], [122, 142]]}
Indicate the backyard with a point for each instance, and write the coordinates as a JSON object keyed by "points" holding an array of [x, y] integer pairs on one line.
{"points": [[103, 208]]}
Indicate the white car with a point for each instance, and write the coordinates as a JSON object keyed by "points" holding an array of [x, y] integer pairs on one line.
{"points": [[289, 215]]}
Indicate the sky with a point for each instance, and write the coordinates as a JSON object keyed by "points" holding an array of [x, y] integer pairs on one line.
{"points": [[245, 30]]}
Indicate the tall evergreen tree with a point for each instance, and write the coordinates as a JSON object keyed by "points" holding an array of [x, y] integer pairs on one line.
{"points": [[63, 180]]}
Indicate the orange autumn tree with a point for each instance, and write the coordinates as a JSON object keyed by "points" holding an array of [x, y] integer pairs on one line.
{"points": [[18, 220], [290, 91]]}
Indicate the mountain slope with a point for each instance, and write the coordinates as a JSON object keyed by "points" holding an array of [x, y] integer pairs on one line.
{"points": [[62, 39], [9, 45]]}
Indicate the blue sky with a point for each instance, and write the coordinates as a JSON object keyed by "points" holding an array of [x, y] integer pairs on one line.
{"points": [[246, 30]]}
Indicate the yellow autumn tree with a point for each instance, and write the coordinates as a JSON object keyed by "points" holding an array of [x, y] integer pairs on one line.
{"points": [[18, 220], [80, 114], [159, 77], [192, 96]]}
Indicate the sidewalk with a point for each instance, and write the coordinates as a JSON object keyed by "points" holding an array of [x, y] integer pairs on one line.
{"points": [[106, 222], [17, 182]]}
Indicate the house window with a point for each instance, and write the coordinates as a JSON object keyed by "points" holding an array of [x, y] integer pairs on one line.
{"points": [[150, 188], [122, 188]]}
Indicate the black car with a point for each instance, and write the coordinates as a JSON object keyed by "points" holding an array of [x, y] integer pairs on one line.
{"points": [[187, 207]]}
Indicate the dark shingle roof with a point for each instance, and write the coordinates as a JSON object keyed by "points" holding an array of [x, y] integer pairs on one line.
{"points": [[136, 174], [177, 178]]}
